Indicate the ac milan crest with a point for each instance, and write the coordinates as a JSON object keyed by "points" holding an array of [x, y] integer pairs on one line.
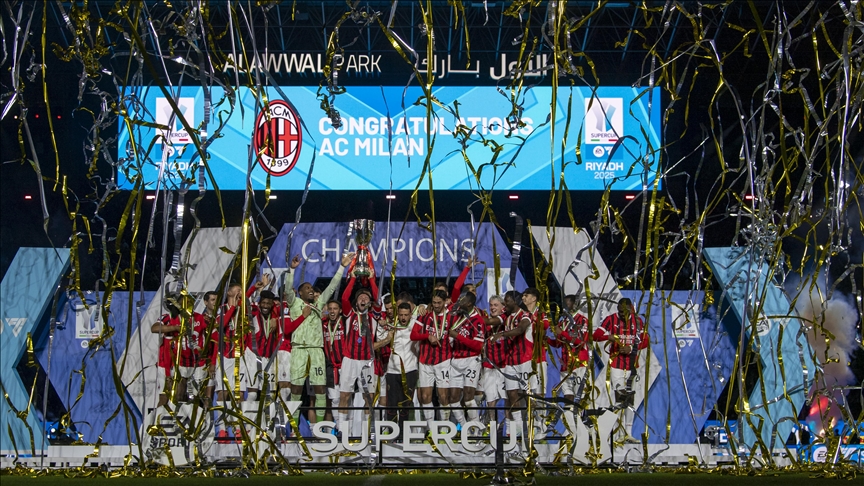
{"points": [[277, 140]]}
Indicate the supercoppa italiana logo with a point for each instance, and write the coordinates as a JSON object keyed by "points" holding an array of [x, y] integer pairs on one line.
{"points": [[278, 138]]}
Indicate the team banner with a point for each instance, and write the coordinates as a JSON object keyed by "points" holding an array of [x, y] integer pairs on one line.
{"points": [[417, 254], [382, 137]]}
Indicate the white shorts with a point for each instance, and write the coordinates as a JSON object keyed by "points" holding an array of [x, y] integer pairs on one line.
{"points": [[197, 373], [356, 372], [572, 383], [225, 369], [520, 377], [256, 374], [438, 375], [333, 395], [493, 385], [283, 366], [618, 380], [195, 377], [465, 372]]}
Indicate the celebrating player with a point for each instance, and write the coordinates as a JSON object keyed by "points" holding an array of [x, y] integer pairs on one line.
{"points": [[492, 382], [626, 334], [401, 378], [432, 332], [359, 345], [571, 335], [307, 359], [334, 332], [467, 332], [519, 376]]}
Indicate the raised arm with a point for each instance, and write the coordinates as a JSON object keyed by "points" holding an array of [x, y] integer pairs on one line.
{"points": [[457, 287], [346, 295], [288, 292], [334, 282], [374, 287], [263, 283]]}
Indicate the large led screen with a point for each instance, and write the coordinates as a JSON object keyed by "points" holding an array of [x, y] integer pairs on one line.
{"points": [[385, 139]]}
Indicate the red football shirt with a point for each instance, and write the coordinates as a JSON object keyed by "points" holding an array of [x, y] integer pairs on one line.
{"points": [[521, 347], [496, 352], [266, 334], [168, 346], [359, 336], [538, 317], [334, 332], [621, 333], [192, 342], [439, 326], [573, 342], [469, 340]]}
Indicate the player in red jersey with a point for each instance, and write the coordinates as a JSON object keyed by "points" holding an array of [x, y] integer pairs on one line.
{"points": [[334, 331], [211, 351], [270, 333], [194, 360], [539, 326], [467, 332], [626, 334], [540, 323], [168, 326], [280, 368], [492, 382], [519, 375], [361, 340], [188, 333], [384, 317], [571, 336], [227, 367], [432, 331]]}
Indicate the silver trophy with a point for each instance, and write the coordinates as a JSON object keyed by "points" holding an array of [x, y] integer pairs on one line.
{"points": [[362, 229]]}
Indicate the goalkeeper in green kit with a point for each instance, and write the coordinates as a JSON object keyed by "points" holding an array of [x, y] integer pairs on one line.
{"points": [[307, 341]]}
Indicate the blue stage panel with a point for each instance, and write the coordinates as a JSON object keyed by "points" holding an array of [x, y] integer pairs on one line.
{"points": [[786, 360], [696, 357], [25, 293], [75, 357]]}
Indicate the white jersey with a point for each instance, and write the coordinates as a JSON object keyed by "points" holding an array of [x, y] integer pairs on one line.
{"points": [[404, 351]]}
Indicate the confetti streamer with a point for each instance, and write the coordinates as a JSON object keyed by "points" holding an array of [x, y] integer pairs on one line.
{"points": [[760, 151]]}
